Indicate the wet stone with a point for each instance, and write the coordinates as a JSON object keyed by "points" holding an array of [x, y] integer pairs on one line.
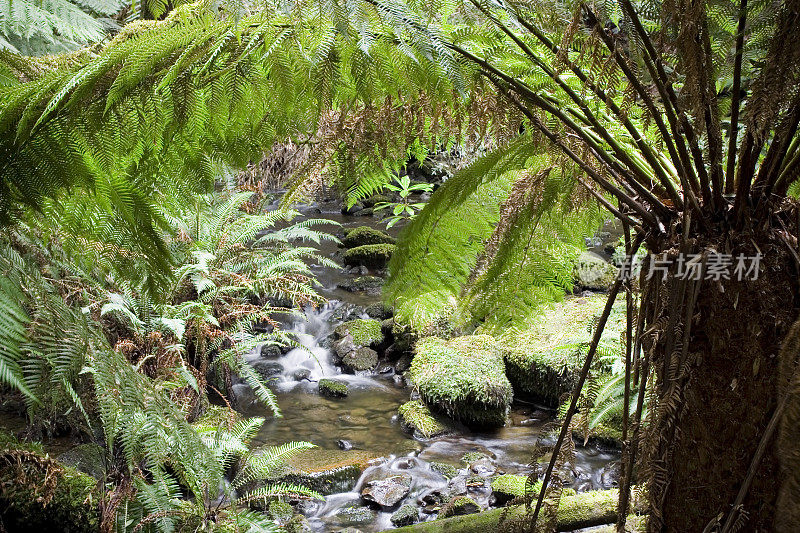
{"points": [[355, 515], [387, 492], [267, 369], [300, 374]]}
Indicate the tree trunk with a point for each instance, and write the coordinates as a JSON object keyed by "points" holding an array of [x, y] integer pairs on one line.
{"points": [[715, 381]]}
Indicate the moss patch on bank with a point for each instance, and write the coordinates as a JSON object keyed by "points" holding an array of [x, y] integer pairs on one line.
{"points": [[543, 360], [463, 377]]}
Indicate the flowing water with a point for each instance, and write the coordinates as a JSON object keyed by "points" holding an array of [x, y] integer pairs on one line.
{"points": [[367, 418]]}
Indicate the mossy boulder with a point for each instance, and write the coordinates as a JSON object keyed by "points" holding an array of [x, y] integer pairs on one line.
{"points": [[370, 255], [367, 284], [348, 516], [376, 199], [459, 506], [405, 516], [333, 388], [417, 418], [326, 471], [543, 360], [298, 524], [387, 492], [360, 359], [463, 377], [364, 331], [280, 511], [364, 235], [448, 471], [506, 487], [87, 458], [590, 271], [40, 494]]}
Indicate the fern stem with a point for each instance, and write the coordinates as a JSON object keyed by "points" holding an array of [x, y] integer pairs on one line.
{"points": [[733, 134], [620, 152]]}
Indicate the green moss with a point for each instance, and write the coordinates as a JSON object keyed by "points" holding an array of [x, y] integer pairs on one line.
{"points": [[67, 502], [365, 331], [326, 471], [333, 388], [355, 515], [470, 457], [416, 416], [405, 516], [280, 510], [543, 360], [463, 377], [368, 284], [510, 486], [361, 359], [448, 471], [298, 524], [459, 506], [369, 255], [364, 235]]}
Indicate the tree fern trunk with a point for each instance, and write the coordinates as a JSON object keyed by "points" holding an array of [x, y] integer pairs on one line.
{"points": [[715, 384]]}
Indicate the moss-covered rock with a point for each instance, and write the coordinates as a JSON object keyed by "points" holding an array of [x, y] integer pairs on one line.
{"points": [[360, 359], [298, 524], [590, 271], [471, 457], [326, 471], [543, 360], [280, 511], [506, 487], [416, 417], [387, 492], [459, 506], [448, 471], [369, 255], [405, 516], [39, 494], [364, 235], [364, 331], [347, 516], [87, 458], [333, 388], [376, 199], [463, 377], [367, 284]]}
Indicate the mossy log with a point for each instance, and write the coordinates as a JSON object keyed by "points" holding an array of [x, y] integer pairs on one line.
{"points": [[587, 509]]}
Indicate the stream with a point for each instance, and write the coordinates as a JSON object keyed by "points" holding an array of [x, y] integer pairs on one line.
{"points": [[367, 418]]}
